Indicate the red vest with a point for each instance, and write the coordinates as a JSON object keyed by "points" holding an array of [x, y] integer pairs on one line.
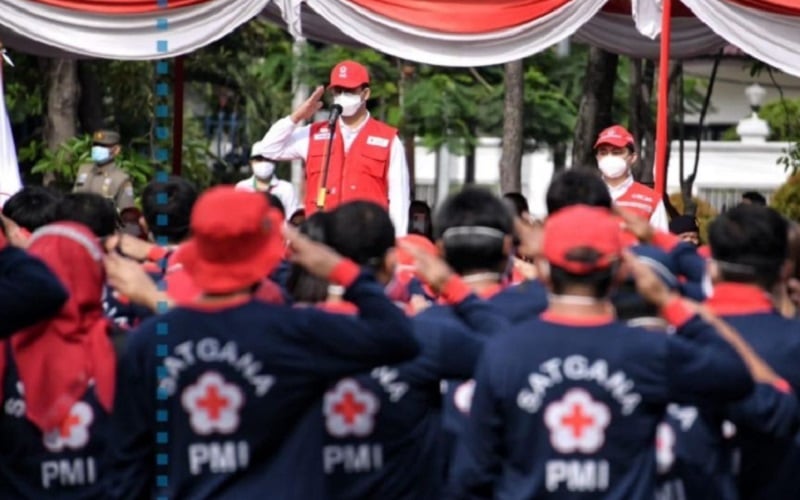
{"points": [[359, 174], [639, 199]]}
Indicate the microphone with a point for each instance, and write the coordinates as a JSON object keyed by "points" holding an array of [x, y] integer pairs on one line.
{"points": [[336, 110]]}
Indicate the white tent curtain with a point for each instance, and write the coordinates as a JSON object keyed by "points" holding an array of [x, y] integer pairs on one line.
{"points": [[124, 37], [10, 181], [767, 36], [617, 33], [448, 49]]}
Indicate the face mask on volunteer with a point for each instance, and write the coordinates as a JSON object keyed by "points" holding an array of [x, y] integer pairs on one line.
{"points": [[100, 154], [350, 103], [263, 169], [612, 166]]}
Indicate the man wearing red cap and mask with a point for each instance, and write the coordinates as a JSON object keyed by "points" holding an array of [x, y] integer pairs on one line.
{"points": [[616, 153], [367, 159]]}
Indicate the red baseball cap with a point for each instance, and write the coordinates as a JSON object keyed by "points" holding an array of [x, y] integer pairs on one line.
{"points": [[579, 227], [237, 240], [617, 136], [349, 75]]}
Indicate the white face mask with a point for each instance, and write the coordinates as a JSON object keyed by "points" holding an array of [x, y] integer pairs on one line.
{"points": [[350, 103], [612, 166], [263, 169]]}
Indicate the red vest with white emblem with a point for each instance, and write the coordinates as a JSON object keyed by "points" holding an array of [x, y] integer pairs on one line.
{"points": [[639, 199], [359, 174]]}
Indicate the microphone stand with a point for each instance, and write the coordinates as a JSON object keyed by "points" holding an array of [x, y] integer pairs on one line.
{"points": [[323, 190]]}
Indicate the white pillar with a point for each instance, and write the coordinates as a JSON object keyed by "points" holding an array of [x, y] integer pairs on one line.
{"points": [[300, 95], [443, 160]]}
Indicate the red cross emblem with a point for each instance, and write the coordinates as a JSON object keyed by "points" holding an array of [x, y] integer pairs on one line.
{"points": [[577, 422], [349, 409], [73, 432], [213, 404]]}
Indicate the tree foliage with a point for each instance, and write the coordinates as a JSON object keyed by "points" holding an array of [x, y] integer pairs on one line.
{"points": [[786, 199]]}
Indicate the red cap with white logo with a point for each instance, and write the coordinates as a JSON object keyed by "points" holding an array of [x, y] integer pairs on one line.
{"points": [[349, 75], [617, 136]]}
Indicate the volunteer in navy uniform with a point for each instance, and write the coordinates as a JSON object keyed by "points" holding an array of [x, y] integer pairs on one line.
{"points": [[265, 180], [749, 248], [367, 161], [382, 427], [57, 380], [566, 405], [103, 176], [236, 374]]}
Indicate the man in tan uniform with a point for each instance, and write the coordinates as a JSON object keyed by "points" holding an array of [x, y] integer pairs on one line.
{"points": [[104, 177]]}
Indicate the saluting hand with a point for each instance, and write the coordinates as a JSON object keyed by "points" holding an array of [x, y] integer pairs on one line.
{"points": [[639, 226], [429, 268], [648, 284], [313, 104], [530, 238], [314, 257]]}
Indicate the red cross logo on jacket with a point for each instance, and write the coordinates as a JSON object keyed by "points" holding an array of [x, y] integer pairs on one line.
{"points": [[349, 410], [213, 404], [577, 422], [73, 432]]}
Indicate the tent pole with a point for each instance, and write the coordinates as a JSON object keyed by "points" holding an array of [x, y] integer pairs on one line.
{"points": [[662, 123], [177, 117]]}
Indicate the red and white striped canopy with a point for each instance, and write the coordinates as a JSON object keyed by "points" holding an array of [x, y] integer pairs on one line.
{"points": [[443, 32]]}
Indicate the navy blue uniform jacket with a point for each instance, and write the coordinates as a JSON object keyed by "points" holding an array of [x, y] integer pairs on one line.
{"points": [[566, 411], [383, 428], [207, 400], [69, 463], [770, 461]]}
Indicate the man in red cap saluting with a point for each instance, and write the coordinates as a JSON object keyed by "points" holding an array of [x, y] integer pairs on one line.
{"points": [[367, 159], [615, 151]]}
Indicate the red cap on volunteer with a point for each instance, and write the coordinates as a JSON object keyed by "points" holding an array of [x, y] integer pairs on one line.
{"points": [[349, 75], [237, 240], [617, 136], [582, 227]]}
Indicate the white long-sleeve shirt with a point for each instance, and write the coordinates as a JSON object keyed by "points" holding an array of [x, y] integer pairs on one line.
{"points": [[284, 190], [658, 219], [285, 140]]}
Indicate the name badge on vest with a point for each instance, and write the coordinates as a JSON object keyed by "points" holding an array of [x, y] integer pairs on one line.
{"points": [[381, 142], [322, 134]]}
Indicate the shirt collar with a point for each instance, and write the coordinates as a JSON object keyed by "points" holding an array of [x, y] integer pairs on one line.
{"points": [[353, 130], [737, 299], [618, 191], [561, 319]]}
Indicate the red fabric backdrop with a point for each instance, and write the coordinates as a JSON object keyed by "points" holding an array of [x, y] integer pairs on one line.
{"points": [[118, 6], [462, 16]]}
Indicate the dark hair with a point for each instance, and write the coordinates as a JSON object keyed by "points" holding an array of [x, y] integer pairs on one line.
{"points": [[361, 231], [458, 224], [581, 186], [92, 210], [420, 206], [32, 207], [301, 285], [519, 202], [629, 304], [599, 282], [755, 198], [750, 245], [174, 199], [275, 202]]}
